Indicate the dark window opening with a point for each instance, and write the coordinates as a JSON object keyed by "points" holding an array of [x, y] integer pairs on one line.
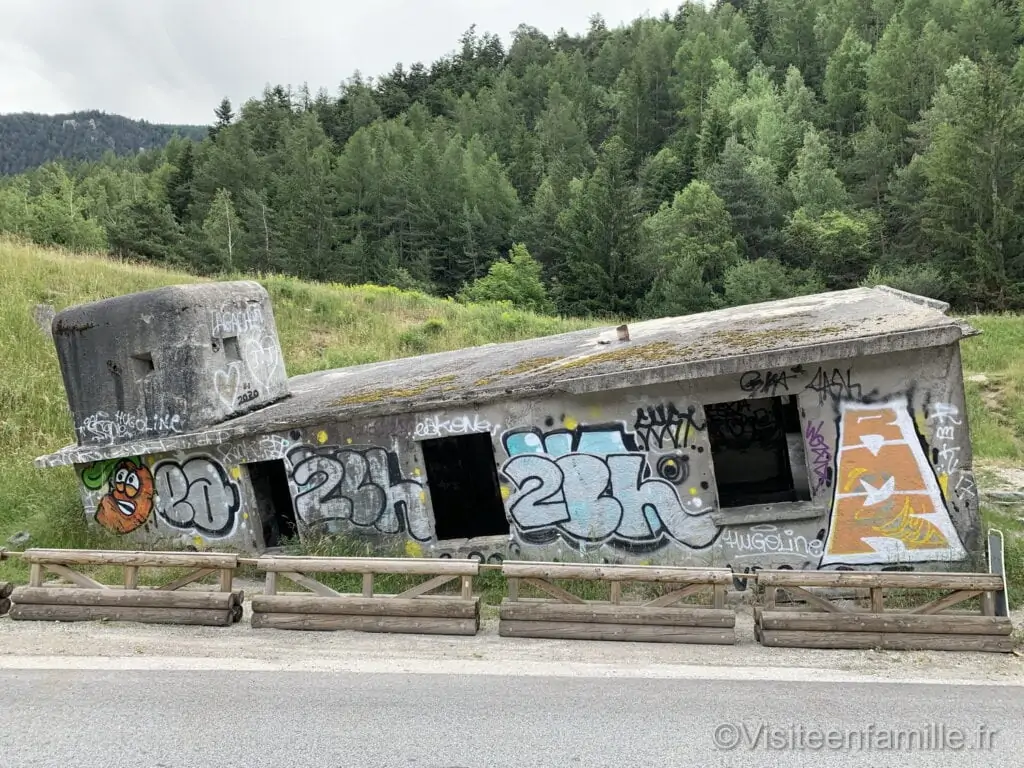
{"points": [[231, 350], [142, 365], [464, 490], [757, 451], [273, 501]]}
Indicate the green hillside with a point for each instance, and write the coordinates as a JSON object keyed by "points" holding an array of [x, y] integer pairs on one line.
{"points": [[728, 152], [28, 139]]}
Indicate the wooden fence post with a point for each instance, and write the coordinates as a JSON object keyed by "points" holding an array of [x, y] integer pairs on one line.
{"points": [[414, 610], [91, 600], [662, 619]]}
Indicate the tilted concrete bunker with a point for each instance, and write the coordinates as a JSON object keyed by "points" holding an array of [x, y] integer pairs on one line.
{"points": [[168, 361], [825, 431]]}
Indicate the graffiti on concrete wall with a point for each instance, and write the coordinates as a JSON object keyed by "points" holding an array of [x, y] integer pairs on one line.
{"points": [[128, 502], [263, 355], [108, 427], [769, 539], [820, 454], [229, 320], [261, 448], [83, 454], [945, 421], [196, 496], [756, 384], [233, 386], [251, 354], [828, 383], [434, 426], [887, 505], [360, 485], [742, 424], [193, 496], [597, 484], [665, 427], [835, 384], [946, 424]]}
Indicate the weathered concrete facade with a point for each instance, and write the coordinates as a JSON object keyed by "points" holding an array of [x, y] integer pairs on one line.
{"points": [[828, 432], [168, 361]]}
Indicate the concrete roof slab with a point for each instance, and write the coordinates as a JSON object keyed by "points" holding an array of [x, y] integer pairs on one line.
{"points": [[827, 326]]}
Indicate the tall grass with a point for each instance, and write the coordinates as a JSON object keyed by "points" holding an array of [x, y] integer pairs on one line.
{"points": [[331, 326], [995, 400]]}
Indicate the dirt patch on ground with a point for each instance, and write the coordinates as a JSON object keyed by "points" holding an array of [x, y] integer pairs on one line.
{"points": [[999, 477], [990, 389]]}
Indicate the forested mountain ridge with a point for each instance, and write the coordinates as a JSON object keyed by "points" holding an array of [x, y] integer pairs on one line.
{"points": [[28, 139], [752, 150]]}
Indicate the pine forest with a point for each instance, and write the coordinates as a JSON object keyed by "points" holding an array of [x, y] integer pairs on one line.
{"points": [[739, 152]]}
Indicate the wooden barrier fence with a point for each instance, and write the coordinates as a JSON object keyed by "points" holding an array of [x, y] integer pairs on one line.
{"points": [[658, 620], [813, 619], [825, 623], [5, 597], [90, 600], [5, 587], [413, 610]]}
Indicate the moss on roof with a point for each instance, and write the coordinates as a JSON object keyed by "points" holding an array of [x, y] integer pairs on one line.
{"points": [[377, 395], [654, 353], [749, 339], [526, 366]]}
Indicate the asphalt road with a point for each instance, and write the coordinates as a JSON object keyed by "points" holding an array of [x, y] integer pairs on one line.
{"points": [[69, 718]]}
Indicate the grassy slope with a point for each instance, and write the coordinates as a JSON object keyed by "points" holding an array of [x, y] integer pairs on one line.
{"points": [[330, 326], [994, 369]]}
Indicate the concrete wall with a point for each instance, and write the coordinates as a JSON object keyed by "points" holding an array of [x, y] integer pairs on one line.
{"points": [[628, 476], [173, 500], [168, 361]]}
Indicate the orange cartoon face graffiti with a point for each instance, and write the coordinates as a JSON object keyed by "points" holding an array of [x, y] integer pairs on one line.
{"points": [[128, 503]]}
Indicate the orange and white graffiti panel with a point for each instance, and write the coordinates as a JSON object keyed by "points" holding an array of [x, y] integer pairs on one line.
{"points": [[888, 506]]}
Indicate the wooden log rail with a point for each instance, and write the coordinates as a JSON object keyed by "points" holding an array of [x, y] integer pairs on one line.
{"points": [[824, 623], [90, 600], [5, 597], [414, 610], [659, 620]]}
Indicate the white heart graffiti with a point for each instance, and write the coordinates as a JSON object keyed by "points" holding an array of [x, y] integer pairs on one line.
{"points": [[227, 384], [263, 357]]}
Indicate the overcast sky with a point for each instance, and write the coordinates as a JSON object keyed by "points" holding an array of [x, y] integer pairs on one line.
{"points": [[171, 61]]}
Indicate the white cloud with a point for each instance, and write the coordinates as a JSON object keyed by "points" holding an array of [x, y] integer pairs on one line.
{"points": [[23, 86], [173, 60]]}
